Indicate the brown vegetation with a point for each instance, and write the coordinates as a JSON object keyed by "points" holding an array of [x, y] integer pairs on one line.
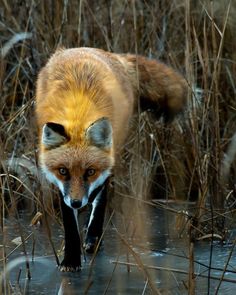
{"points": [[192, 159]]}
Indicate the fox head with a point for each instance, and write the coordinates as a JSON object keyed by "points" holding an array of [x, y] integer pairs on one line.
{"points": [[79, 169]]}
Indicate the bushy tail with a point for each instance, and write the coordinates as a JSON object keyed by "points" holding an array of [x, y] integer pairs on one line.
{"points": [[159, 87]]}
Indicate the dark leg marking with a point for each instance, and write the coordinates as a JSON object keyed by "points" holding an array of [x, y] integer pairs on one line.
{"points": [[95, 222], [72, 255]]}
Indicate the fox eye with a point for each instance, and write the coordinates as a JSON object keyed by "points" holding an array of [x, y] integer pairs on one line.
{"points": [[90, 172], [63, 171]]}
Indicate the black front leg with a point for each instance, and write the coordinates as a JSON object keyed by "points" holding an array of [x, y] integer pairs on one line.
{"points": [[72, 256], [96, 220]]}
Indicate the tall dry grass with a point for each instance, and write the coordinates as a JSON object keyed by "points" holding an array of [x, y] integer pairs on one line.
{"points": [[192, 159]]}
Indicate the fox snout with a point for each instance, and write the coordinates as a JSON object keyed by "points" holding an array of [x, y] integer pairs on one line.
{"points": [[76, 204], [80, 198]]}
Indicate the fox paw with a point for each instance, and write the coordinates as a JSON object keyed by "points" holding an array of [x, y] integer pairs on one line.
{"points": [[90, 244], [70, 265]]}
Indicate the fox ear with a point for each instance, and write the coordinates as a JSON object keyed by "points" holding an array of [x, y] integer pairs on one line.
{"points": [[53, 135], [99, 133]]}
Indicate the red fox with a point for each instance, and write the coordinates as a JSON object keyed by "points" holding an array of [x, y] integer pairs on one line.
{"points": [[85, 98]]}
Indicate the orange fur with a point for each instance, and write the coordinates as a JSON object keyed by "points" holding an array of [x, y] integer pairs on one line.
{"points": [[81, 85]]}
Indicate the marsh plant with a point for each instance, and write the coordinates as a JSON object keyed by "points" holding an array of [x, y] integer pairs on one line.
{"points": [[190, 162]]}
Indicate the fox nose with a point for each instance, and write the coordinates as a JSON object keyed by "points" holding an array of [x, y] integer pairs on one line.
{"points": [[76, 204]]}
